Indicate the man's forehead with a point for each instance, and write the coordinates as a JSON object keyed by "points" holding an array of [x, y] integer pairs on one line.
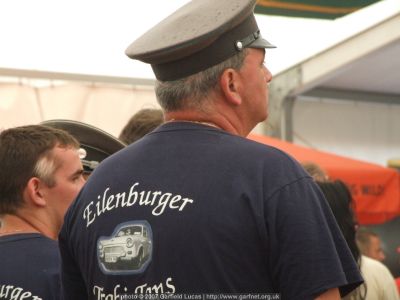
{"points": [[374, 239], [65, 155], [63, 148], [257, 50], [258, 54]]}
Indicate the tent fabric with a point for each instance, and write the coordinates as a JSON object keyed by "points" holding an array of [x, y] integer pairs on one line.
{"points": [[327, 9], [102, 105], [375, 189]]}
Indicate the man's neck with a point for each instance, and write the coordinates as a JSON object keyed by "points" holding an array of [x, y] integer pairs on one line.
{"points": [[215, 120], [15, 224]]}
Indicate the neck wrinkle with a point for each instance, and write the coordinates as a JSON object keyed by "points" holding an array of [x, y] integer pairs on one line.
{"points": [[219, 121], [26, 222], [15, 224]]}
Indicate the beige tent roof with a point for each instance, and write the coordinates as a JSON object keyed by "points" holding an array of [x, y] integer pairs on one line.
{"points": [[364, 67]]}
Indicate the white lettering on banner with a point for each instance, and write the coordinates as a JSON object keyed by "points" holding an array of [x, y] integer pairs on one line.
{"points": [[157, 199], [16, 293], [119, 293]]}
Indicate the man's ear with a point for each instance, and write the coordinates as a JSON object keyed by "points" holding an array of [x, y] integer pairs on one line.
{"points": [[230, 83], [35, 191]]}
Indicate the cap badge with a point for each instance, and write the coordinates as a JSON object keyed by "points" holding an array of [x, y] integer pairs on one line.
{"points": [[82, 153], [239, 45]]}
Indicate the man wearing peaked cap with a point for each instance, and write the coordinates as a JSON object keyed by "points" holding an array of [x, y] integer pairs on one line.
{"points": [[194, 206], [95, 143]]}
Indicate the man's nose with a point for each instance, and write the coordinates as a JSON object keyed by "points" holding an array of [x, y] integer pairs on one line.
{"points": [[268, 75]]}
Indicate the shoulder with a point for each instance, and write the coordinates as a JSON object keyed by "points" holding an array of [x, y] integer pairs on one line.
{"points": [[370, 265], [264, 152], [276, 163], [43, 247], [31, 239], [40, 252], [380, 282]]}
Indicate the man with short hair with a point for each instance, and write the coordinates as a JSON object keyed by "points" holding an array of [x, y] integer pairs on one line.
{"points": [[141, 123], [369, 244], [40, 175], [213, 212], [42, 169]]}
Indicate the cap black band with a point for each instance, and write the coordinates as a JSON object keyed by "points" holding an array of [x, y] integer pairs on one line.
{"points": [[218, 51], [244, 43]]}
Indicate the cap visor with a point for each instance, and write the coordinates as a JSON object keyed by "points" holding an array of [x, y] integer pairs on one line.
{"points": [[261, 43]]}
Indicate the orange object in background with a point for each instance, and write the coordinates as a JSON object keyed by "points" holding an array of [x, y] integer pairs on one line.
{"points": [[375, 189]]}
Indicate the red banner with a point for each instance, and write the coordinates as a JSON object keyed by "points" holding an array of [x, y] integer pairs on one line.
{"points": [[375, 189]]}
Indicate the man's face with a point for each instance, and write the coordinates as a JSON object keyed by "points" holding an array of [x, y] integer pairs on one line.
{"points": [[375, 250], [68, 182], [256, 77]]}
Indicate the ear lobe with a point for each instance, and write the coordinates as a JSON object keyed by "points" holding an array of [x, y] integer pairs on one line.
{"points": [[230, 85], [34, 188]]}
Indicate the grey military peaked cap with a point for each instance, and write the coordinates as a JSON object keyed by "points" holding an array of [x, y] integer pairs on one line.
{"points": [[96, 144], [199, 35]]}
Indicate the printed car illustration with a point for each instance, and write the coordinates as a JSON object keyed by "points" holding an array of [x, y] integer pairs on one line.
{"points": [[129, 249]]}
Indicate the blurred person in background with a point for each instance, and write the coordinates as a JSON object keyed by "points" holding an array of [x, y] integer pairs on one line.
{"points": [[140, 124], [398, 278], [379, 283], [315, 171], [370, 244]]}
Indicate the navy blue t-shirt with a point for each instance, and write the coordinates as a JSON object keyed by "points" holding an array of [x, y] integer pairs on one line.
{"points": [[191, 208], [29, 267]]}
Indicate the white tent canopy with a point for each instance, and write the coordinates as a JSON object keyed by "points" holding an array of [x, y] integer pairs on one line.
{"points": [[65, 59], [364, 70]]}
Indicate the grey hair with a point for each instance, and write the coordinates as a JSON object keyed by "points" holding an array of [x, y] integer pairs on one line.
{"points": [[26, 152], [45, 168], [191, 91]]}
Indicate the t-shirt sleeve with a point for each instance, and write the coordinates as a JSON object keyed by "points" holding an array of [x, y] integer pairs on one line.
{"points": [[308, 252]]}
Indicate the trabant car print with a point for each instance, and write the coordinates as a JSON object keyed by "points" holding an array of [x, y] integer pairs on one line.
{"points": [[129, 248]]}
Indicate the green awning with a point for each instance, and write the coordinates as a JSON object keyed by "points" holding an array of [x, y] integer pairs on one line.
{"points": [[320, 9]]}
